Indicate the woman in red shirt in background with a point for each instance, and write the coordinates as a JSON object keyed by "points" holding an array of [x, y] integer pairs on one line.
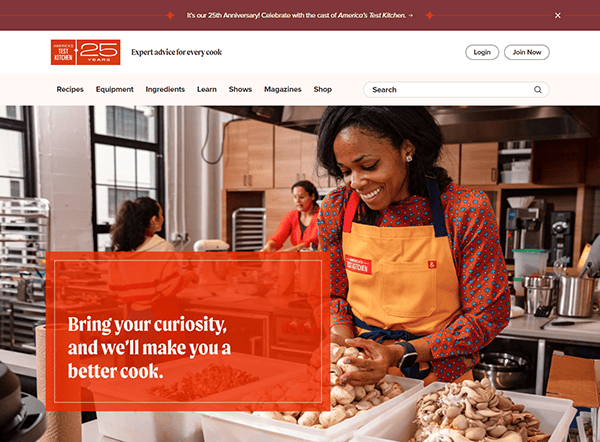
{"points": [[299, 225]]}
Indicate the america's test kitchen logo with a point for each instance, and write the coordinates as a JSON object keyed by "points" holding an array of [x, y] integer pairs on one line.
{"points": [[85, 52]]}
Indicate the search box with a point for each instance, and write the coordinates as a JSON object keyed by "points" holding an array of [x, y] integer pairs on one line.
{"points": [[452, 89]]}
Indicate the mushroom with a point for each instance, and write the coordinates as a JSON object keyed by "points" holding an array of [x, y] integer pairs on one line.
{"points": [[351, 410], [343, 395], [334, 369], [460, 422], [510, 436], [346, 368], [452, 412], [335, 416], [359, 392], [309, 418], [372, 394], [497, 431], [475, 433], [336, 352], [351, 352], [289, 419], [364, 405], [395, 390], [275, 415]]}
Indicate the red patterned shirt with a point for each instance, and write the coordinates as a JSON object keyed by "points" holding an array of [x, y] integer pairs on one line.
{"points": [[475, 244]]}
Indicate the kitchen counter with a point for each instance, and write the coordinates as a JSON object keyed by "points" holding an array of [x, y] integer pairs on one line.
{"points": [[527, 327]]}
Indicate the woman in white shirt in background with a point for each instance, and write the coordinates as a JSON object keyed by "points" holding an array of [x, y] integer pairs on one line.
{"points": [[154, 295], [136, 225]]}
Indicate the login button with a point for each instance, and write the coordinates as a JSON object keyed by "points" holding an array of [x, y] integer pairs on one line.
{"points": [[482, 52]]}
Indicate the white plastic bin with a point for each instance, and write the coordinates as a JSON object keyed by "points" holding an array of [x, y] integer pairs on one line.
{"points": [[399, 425], [154, 426], [243, 427], [149, 426], [527, 262]]}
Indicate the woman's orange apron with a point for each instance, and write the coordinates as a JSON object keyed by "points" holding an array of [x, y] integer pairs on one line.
{"points": [[402, 283]]}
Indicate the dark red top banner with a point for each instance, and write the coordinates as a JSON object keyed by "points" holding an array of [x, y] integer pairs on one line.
{"points": [[306, 15]]}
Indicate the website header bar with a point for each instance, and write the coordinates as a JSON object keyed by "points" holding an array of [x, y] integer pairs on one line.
{"points": [[309, 15]]}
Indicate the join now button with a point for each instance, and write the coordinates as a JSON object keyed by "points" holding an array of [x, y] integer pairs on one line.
{"points": [[527, 52]]}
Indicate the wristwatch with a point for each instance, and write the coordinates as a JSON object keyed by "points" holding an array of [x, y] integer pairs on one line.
{"points": [[409, 357]]}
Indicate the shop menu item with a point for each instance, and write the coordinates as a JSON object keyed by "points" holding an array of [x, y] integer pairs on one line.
{"points": [[474, 411], [212, 380]]}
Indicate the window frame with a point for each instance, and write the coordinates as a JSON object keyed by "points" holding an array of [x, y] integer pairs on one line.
{"points": [[157, 148], [25, 126]]}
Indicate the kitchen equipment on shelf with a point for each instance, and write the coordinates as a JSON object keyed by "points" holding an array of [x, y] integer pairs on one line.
{"points": [[543, 311], [560, 266], [210, 245], [24, 240], [249, 226], [528, 262], [575, 296], [593, 258], [22, 416], [562, 226], [520, 202], [504, 370], [540, 292], [525, 226]]}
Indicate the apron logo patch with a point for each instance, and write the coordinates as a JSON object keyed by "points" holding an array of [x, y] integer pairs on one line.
{"points": [[358, 265], [432, 264]]}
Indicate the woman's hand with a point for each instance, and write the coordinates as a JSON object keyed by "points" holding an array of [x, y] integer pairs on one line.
{"points": [[269, 247], [296, 248], [379, 358]]}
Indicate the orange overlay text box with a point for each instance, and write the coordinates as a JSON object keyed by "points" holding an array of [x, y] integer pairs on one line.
{"points": [[187, 331]]}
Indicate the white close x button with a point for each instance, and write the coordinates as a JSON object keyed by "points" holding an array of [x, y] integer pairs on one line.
{"points": [[482, 52], [527, 52]]}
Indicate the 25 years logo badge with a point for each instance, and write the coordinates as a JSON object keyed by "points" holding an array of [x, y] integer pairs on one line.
{"points": [[85, 52]]}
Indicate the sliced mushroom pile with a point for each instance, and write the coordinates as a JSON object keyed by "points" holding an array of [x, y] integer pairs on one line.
{"points": [[474, 411], [346, 401]]}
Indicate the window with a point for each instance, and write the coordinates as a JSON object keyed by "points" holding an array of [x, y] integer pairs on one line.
{"points": [[127, 156], [17, 177]]}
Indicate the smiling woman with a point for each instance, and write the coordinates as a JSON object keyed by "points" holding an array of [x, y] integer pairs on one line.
{"points": [[299, 225], [418, 276]]}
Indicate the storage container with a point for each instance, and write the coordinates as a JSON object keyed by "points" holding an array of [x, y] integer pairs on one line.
{"points": [[576, 296], [515, 176], [243, 427], [541, 292], [555, 416], [528, 262], [154, 426]]}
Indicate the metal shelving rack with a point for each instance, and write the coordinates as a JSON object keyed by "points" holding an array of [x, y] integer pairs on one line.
{"points": [[249, 229], [24, 240]]}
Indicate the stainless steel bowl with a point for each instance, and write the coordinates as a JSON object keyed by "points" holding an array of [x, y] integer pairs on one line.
{"points": [[505, 371]]}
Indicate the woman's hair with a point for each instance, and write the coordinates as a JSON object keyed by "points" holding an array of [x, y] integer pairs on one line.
{"points": [[309, 188], [394, 124], [132, 221]]}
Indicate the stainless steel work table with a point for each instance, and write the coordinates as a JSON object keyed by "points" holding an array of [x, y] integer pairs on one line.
{"points": [[527, 327]]}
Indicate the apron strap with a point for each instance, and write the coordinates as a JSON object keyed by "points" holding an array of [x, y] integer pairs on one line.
{"points": [[437, 211], [379, 335], [350, 211], [435, 202]]}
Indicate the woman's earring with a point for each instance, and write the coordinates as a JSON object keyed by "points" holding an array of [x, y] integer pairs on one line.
{"points": [[409, 158]]}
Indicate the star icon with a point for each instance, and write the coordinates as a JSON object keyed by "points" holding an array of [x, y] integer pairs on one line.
{"points": [[170, 15], [429, 15]]}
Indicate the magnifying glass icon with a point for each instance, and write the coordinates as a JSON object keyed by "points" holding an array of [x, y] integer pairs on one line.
{"points": [[537, 90]]}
